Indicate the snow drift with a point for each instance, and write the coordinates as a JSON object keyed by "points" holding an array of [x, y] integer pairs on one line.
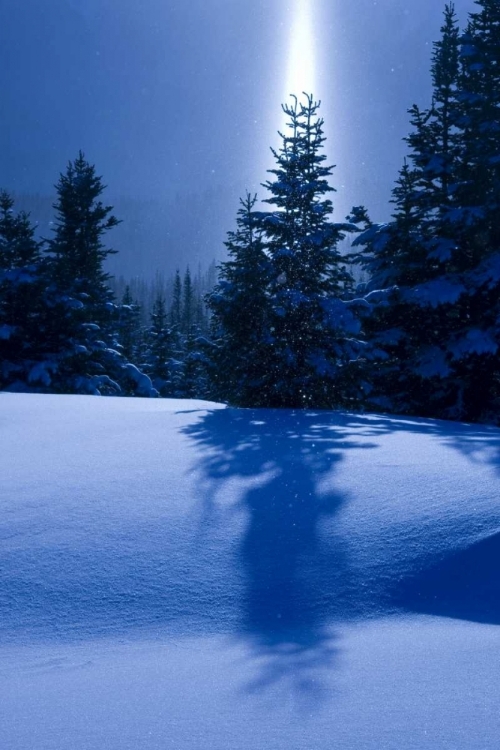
{"points": [[245, 560]]}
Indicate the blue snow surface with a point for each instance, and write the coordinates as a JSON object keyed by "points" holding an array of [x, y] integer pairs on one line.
{"points": [[178, 574]]}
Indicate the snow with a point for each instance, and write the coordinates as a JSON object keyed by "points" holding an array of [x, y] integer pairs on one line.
{"points": [[468, 215], [475, 341], [468, 50], [436, 164], [338, 315], [488, 272], [77, 304], [436, 292], [6, 332], [389, 337], [181, 574], [18, 275], [376, 233], [433, 363], [380, 296], [40, 373], [144, 386], [442, 248]]}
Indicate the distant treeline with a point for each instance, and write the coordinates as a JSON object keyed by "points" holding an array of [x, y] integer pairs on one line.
{"points": [[146, 290]]}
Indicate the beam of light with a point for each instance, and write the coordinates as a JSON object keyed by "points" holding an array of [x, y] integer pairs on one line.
{"points": [[301, 73], [302, 60]]}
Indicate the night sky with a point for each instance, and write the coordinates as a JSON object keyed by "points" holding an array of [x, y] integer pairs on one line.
{"points": [[176, 100]]}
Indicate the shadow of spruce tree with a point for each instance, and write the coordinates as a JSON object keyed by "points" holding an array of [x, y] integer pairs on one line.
{"points": [[294, 577], [298, 579]]}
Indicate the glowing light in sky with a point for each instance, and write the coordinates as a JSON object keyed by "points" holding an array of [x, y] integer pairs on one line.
{"points": [[301, 74]]}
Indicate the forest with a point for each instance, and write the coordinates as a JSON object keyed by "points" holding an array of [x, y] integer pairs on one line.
{"points": [[284, 321]]}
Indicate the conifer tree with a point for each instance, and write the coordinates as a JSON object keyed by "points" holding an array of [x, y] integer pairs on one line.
{"points": [[22, 296], [18, 247], [435, 139], [479, 189], [438, 322], [80, 332], [129, 327], [398, 326], [188, 314], [176, 306], [313, 333], [239, 303], [475, 344], [160, 348], [82, 220], [301, 350]]}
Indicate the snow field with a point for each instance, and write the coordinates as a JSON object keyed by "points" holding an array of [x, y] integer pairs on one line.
{"points": [[180, 574]]}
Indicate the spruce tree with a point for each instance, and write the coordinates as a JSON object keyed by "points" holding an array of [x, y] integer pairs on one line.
{"points": [[239, 305], [129, 331], [287, 275], [435, 139], [18, 247], [435, 275], [81, 331], [160, 348], [188, 314], [82, 221], [479, 189], [176, 306], [22, 297], [313, 332], [475, 344], [400, 329]]}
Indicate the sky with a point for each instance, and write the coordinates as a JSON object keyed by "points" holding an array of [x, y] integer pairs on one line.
{"points": [[180, 101]]}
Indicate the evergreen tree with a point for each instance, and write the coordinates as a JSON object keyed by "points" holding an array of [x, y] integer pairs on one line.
{"points": [[176, 306], [313, 333], [194, 370], [129, 327], [400, 326], [437, 261], [22, 298], [239, 303], [188, 315], [18, 247], [80, 339], [479, 189], [435, 139], [475, 344], [301, 350], [82, 220], [160, 348]]}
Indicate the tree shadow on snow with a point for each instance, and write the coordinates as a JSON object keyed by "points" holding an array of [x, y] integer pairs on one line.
{"points": [[296, 577], [476, 442], [465, 585], [296, 571]]}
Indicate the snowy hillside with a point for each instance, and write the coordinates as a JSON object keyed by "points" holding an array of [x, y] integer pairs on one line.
{"points": [[176, 574]]}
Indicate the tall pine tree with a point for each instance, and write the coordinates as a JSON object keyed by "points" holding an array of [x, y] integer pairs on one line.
{"points": [[81, 357], [22, 297], [239, 302], [304, 342], [438, 321], [313, 331]]}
